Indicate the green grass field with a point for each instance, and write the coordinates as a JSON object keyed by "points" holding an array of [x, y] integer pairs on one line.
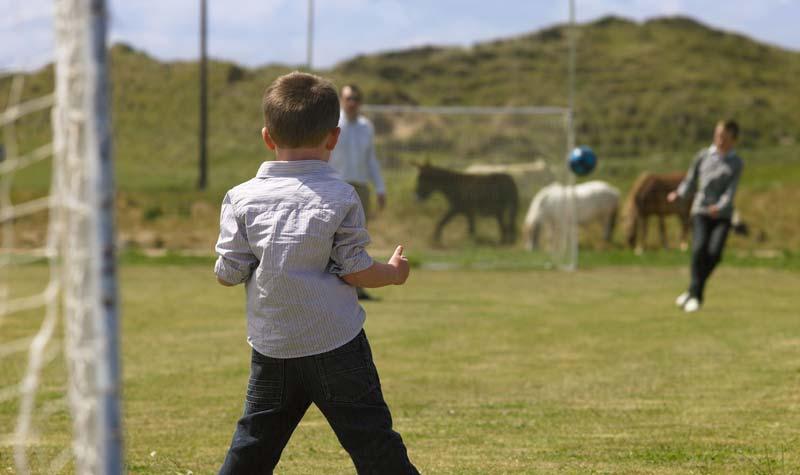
{"points": [[486, 371]]}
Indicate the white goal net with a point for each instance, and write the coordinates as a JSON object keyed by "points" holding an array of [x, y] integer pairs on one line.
{"points": [[529, 144], [59, 383]]}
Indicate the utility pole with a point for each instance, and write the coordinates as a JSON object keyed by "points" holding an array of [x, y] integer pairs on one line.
{"points": [[310, 35], [203, 132]]}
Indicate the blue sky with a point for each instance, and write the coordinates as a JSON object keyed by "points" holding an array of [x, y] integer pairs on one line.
{"points": [[256, 32]]}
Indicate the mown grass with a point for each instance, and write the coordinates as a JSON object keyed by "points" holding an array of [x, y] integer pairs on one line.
{"points": [[485, 371]]}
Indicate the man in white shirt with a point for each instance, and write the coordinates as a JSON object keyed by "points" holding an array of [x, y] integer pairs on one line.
{"points": [[354, 155]]}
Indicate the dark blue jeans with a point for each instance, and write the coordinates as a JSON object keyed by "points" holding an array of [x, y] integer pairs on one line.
{"points": [[708, 241], [344, 384]]}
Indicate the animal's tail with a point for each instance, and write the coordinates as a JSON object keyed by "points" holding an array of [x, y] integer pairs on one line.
{"points": [[611, 224], [533, 221], [512, 214], [631, 209]]}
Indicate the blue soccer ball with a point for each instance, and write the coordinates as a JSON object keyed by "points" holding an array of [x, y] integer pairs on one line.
{"points": [[582, 160]]}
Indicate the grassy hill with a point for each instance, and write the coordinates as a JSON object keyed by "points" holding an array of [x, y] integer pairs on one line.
{"points": [[647, 96], [640, 86]]}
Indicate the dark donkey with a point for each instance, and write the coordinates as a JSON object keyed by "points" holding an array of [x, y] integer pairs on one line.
{"points": [[492, 194]]}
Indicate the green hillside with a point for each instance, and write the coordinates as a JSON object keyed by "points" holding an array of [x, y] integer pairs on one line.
{"points": [[640, 86], [647, 97]]}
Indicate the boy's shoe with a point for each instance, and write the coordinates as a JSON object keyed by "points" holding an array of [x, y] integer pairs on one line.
{"points": [[363, 295], [691, 305], [682, 299]]}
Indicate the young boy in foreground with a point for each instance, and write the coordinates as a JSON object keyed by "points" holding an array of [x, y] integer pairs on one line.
{"points": [[295, 236]]}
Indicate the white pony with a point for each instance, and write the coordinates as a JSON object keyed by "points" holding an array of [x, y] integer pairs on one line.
{"points": [[594, 201]]}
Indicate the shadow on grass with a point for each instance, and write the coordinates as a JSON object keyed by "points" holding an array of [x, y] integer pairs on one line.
{"points": [[489, 257]]}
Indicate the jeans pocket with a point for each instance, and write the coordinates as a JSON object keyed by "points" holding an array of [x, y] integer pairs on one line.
{"points": [[348, 374], [265, 387]]}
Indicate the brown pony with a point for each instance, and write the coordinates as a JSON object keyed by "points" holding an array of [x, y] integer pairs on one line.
{"points": [[647, 197], [493, 194]]}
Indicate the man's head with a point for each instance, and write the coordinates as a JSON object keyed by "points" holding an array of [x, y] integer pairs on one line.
{"points": [[300, 111], [725, 134], [351, 101]]}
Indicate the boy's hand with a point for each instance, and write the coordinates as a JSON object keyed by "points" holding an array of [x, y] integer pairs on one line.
{"points": [[394, 272], [400, 264], [672, 196]]}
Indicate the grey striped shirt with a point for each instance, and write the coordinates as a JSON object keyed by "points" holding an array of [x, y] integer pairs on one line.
{"points": [[288, 234], [715, 177]]}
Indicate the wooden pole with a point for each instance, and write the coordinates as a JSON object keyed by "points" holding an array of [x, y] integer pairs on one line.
{"points": [[310, 36], [202, 181]]}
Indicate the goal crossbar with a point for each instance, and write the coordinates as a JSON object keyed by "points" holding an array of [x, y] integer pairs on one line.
{"points": [[466, 110]]}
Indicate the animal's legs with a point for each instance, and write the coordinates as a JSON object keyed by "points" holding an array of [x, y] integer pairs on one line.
{"points": [[505, 231], [437, 235], [633, 231], [684, 231], [533, 236], [662, 229], [643, 241], [512, 226], [610, 223], [471, 224]]}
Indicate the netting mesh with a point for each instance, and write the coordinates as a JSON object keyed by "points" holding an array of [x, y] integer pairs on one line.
{"points": [[528, 143], [54, 349]]}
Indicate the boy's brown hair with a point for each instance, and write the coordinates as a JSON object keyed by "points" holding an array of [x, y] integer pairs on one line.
{"points": [[731, 126], [300, 110]]}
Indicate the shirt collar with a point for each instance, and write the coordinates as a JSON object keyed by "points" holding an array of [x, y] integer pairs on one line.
{"points": [[343, 120], [291, 168], [713, 151]]}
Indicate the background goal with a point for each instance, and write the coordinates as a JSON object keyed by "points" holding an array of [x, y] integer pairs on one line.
{"points": [[529, 143]]}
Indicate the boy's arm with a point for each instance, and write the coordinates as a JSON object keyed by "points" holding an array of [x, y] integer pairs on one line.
{"points": [[726, 198], [350, 260], [689, 183], [395, 272], [236, 261]]}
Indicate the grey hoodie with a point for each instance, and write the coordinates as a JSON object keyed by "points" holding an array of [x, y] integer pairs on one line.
{"points": [[715, 179]]}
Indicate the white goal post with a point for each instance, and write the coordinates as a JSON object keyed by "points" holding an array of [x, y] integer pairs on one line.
{"points": [[79, 292]]}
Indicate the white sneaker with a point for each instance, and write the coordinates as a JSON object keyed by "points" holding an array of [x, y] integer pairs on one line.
{"points": [[682, 299], [692, 305]]}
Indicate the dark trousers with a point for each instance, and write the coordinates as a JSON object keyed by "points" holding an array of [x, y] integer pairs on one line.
{"points": [[708, 240], [362, 190], [344, 384]]}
